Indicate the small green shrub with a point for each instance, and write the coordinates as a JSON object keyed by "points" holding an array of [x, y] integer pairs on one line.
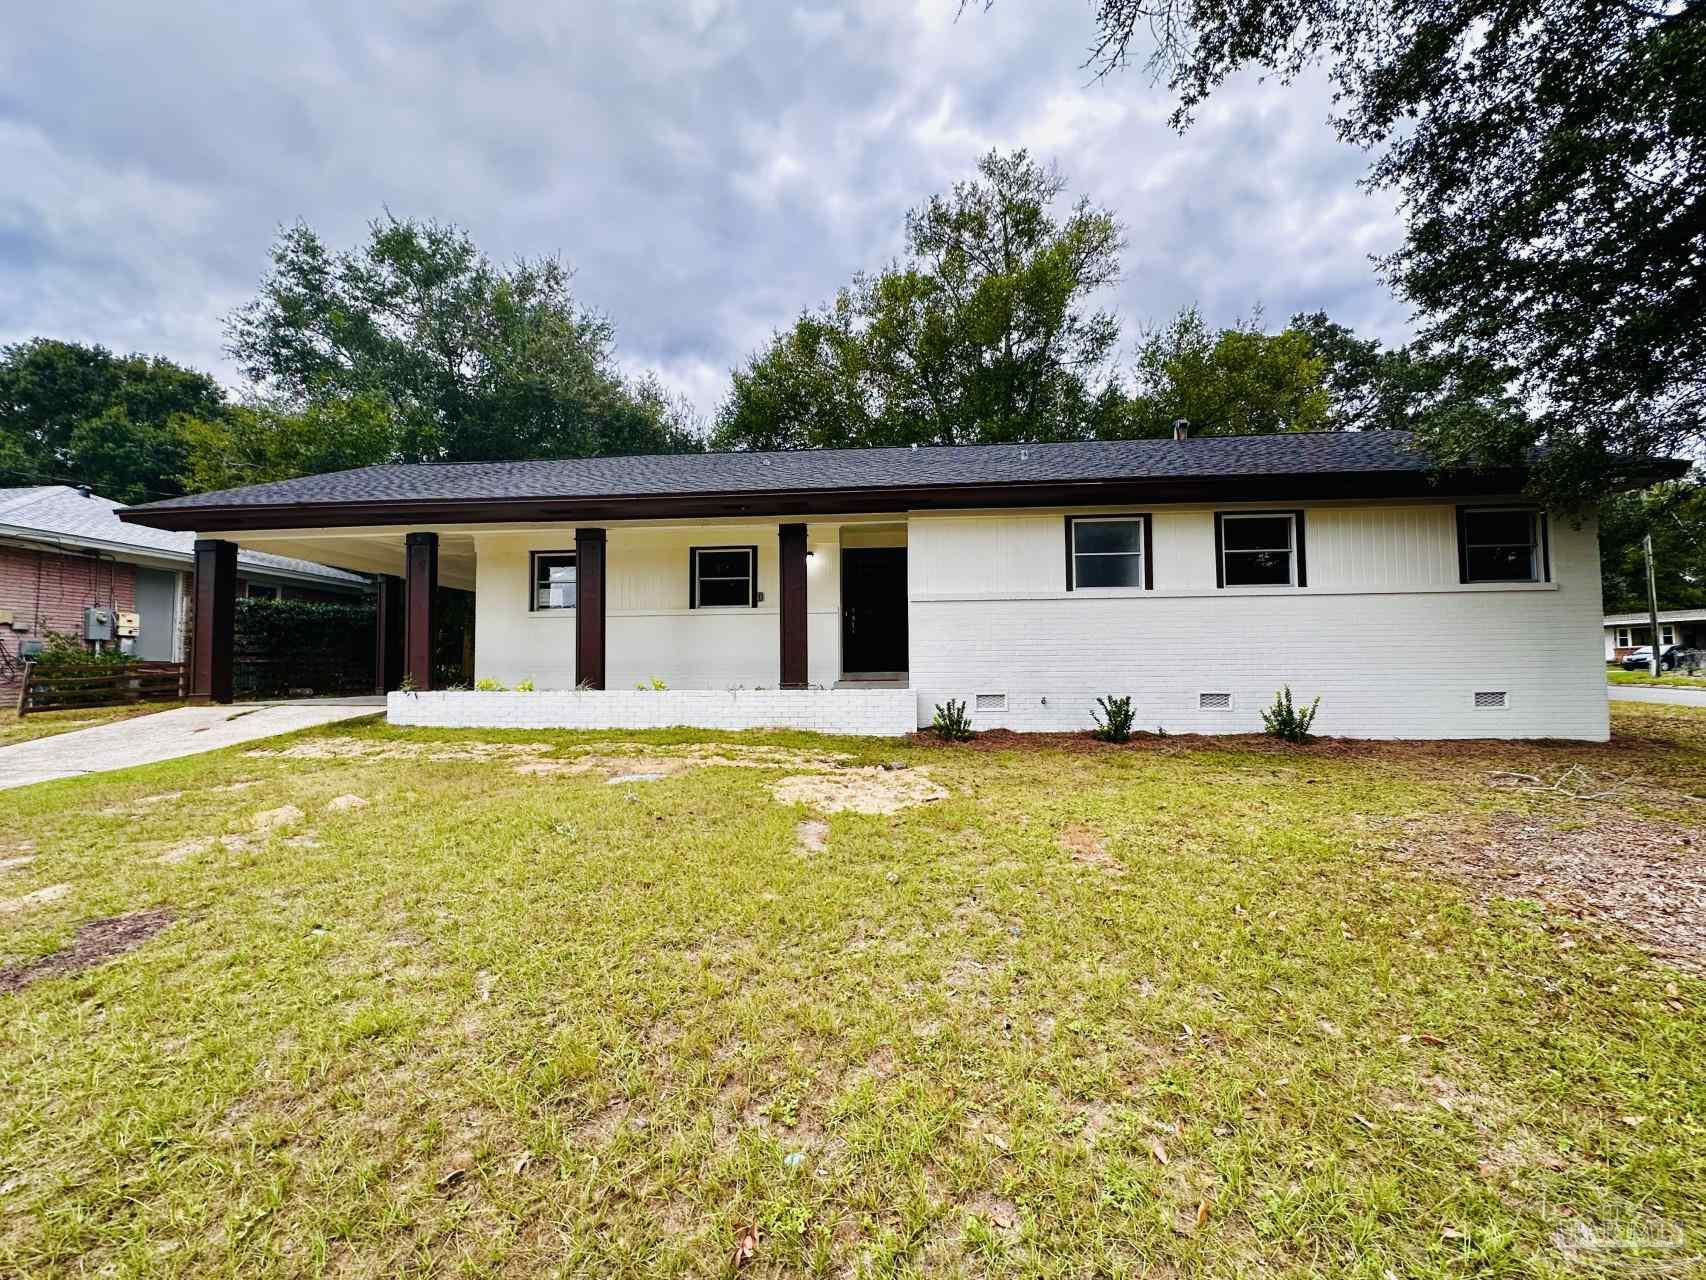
{"points": [[1113, 721], [656, 686], [952, 722], [60, 651], [1284, 720], [524, 686], [488, 685]]}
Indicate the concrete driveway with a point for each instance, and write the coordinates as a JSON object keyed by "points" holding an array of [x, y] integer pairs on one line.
{"points": [[1676, 697], [183, 731]]}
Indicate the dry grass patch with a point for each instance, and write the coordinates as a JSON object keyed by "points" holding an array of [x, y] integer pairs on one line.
{"points": [[1085, 846], [1645, 877], [873, 789]]}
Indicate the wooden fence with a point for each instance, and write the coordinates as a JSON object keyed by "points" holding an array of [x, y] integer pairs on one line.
{"points": [[67, 688]]}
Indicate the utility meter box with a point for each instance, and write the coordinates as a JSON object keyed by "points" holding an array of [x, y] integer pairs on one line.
{"points": [[128, 624], [97, 623]]}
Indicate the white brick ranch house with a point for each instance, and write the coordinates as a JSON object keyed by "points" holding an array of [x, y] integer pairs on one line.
{"points": [[853, 590]]}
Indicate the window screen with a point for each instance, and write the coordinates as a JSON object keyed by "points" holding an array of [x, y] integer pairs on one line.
{"points": [[1107, 552], [1259, 550], [553, 580], [724, 577], [1501, 545]]}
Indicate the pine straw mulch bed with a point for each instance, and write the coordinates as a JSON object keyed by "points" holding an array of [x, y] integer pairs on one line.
{"points": [[1643, 876], [97, 942]]}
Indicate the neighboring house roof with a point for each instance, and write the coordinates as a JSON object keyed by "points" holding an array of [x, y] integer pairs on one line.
{"points": [[63, 516], [1665, 615], [1277, 467]]}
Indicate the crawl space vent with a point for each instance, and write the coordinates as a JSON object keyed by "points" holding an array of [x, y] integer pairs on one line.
{"points": [[1214, 701], [991, 702], [1490, 698]]}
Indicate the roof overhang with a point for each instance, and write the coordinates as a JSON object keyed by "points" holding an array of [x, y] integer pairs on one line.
{"points": [[851, 501]]}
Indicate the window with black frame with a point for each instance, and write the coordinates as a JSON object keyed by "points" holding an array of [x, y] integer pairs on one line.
{"points": [[1502, 544], [1260, 549], [553, 580], [724, 577], [1107, 551]]}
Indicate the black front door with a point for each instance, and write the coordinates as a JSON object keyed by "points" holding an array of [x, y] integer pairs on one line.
{"points": [[873, 609]]}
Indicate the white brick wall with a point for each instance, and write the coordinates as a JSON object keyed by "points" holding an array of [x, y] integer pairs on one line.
{"points": [[863, 712], [1394, 646]]}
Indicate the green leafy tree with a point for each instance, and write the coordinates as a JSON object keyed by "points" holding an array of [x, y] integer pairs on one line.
{"points": [[1376, 388], [470, 360], [1675, 515], [1237, 381], [1549, 157], [254, 443], [72, 413], [983, 333]]}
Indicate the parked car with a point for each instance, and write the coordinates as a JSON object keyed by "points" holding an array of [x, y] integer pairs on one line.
{"points": [[1642, 658]]}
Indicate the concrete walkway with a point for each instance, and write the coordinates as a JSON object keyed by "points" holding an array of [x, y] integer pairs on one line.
{"points": [[1678, 696], [166, 735]]}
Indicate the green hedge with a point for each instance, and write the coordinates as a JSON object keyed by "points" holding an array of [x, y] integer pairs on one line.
{"points": [[297, 644]]}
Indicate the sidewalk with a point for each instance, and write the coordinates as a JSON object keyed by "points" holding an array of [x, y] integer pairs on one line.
{"points": [[184, 731]]}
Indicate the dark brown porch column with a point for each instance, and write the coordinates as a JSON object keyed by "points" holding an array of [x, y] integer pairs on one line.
{"points": [[792, 541], [589, 608], [421, 565], [388, 634], [215, 620]]}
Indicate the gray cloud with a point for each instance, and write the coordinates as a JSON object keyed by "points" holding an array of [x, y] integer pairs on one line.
{"points": [[709, 167]]}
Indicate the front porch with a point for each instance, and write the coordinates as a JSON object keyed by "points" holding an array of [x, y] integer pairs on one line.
{"points": [[730, 608]]}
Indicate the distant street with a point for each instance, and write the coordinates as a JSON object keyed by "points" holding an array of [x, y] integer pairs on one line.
{"points": [[1678, 697]]}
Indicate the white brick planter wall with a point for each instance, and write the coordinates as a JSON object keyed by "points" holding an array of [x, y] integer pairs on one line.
{"points": [[866, 712]]}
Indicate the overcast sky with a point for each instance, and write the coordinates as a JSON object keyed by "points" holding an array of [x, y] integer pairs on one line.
{"points": [[709, 167]]}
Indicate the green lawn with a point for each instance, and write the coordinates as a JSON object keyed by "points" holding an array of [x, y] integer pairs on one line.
{"points": [[44, 724], [1184, 1007], [1616, 675]]}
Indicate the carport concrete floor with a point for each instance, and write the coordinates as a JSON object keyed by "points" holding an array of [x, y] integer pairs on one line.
{"points": [[183, 731]]}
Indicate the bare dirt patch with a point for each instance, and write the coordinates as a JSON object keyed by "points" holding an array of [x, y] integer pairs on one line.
{"points": [[1001, 1214], [862, 790], [341, 804], [16, 864], [184, 850], [51, 893], [283, 816], [636, 759], [97, 942], [812, 835], [359, 749], [1646, 877], [1085, 848]]}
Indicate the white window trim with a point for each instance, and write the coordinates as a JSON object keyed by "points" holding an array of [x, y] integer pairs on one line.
{"points": [[549, 610], [1290, 517], [1144, 569]]}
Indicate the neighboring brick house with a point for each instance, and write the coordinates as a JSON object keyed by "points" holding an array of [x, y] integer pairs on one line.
{"points": [[63, 550]]}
